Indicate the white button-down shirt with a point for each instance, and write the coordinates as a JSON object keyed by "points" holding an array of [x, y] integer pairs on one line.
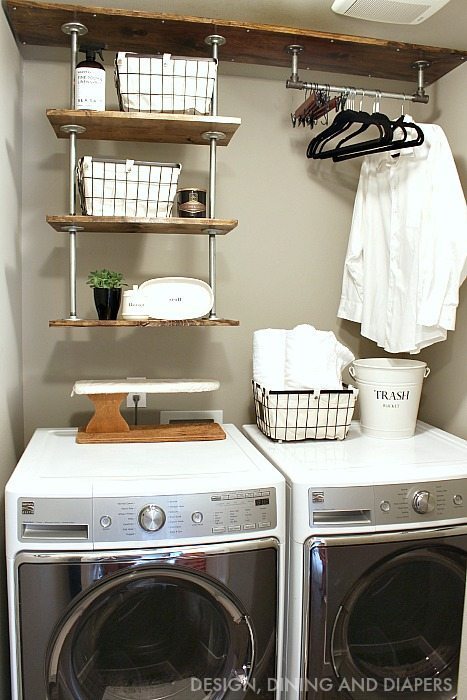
{"points": [[407, 252]]}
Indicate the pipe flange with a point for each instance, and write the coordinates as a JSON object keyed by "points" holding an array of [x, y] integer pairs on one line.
{"points": [[294, 49], [215, 39], [217, 135], [74, 27], [72, 129]]}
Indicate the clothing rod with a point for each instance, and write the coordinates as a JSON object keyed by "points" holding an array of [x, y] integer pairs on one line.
{"points": [[419, 96]]}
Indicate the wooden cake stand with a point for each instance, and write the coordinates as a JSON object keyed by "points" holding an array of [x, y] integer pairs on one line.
{"points": [[108, 425]]}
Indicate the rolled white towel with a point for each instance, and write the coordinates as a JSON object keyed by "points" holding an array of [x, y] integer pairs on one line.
{"points": [[344, 356], [269, 357], [314, 359]]}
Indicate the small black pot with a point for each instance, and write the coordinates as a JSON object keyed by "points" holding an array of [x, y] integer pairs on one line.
{"points": [[107, 303]]}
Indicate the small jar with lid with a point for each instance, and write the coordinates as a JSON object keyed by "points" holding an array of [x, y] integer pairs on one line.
{"points": [[134, 305], [191, 202]]}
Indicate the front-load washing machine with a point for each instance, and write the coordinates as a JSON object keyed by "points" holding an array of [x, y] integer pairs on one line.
{"points": [[144, 571], [377, 565]]}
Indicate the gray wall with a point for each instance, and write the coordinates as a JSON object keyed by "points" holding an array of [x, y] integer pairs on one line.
{"points": [[11, 418], [280, 267], [444, 401]]}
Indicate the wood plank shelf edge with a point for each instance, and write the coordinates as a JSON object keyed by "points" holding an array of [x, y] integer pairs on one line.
{"points": [[143, 126], [150, 323], [127, 224]]}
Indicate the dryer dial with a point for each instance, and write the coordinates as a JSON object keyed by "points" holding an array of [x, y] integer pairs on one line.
{"points": [[423, 502], [151, 518]]}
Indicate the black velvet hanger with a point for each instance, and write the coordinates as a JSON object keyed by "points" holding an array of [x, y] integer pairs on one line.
{"points": [[393, 145], [342, 123]]}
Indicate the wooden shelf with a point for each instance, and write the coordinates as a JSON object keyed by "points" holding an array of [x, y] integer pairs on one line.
{"points": [[139, 126], [131, 30], [126, 224], [151, 323]]}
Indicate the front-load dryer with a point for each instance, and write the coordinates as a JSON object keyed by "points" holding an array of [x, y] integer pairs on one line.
{"points": [[145, 571], [377, 565]]}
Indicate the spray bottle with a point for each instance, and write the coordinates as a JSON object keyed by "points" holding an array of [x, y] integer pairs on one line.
{"points": [[90, 81]]}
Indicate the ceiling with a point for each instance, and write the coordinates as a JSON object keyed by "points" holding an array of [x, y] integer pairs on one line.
{"points": [[445, 28]]}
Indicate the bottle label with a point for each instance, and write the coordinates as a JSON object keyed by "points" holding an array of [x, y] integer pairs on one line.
{"points": [[90, 88]]}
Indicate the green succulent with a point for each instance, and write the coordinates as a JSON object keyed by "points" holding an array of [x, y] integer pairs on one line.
{"points": [[106, 279]]}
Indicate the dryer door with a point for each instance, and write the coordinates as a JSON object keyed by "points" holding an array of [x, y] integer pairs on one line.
{"points": [[401, 623], [385, 615], [151, 632]]}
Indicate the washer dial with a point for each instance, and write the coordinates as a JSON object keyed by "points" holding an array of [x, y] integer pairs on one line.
{"points": [[423, 502], [151, 518]]}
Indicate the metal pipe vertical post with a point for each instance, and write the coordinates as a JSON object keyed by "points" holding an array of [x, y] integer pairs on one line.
{"points": [[74, 29], [214, 41]]}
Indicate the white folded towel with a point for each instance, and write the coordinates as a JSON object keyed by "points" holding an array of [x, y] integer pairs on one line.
{"points": [[314, 359], [311, 359], [299, 359], [269, 357]]}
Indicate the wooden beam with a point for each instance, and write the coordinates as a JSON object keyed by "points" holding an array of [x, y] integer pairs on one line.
{"points": [[39, 23]]}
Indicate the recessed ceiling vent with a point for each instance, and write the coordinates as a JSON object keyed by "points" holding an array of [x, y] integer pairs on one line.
{"points": [[392, 11]]}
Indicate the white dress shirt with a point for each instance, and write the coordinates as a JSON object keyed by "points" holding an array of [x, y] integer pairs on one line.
{"points": [[407, 252]]}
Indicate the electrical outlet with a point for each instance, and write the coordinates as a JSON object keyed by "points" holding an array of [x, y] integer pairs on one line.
{"points": [[142, 395], [195, 416]]}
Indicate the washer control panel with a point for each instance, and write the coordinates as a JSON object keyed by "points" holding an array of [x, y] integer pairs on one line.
{"points": [[184, 515], [413, 503], [387, 504]]}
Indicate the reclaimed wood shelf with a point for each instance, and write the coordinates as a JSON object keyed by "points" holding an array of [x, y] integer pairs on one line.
{"points": [[142, 126], [108, 425], [184, 432], [150, 323], [39, 23], [128, 224]]}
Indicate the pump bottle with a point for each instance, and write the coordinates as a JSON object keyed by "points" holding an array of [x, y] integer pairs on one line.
{"points": [[90, 81]]}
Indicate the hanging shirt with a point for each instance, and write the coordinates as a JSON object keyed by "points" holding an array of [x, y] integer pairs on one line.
{"points": [[407, 251]]}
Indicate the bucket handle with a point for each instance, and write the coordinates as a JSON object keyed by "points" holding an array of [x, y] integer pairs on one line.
{"points": [[352, 372]]}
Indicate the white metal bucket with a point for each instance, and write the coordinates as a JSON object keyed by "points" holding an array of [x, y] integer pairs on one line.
{"points": [[389, 395]]}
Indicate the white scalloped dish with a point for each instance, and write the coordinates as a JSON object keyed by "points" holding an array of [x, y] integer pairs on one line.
{"points": [[177, 298]]}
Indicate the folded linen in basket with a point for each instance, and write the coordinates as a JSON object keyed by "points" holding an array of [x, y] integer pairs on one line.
{"points": [[298, 359], [314, 359], [269, 357]]}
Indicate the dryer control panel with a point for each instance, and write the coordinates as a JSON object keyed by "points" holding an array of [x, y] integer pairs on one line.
{"points": [[147, 517], [387, 504], [182, 516]]}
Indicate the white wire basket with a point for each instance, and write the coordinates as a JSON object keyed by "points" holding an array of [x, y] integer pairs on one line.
{"points": [[304, 415], [133, 188], [164, 83]]}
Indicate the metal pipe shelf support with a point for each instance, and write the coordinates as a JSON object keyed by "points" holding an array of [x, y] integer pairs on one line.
{"points": [[214, 40], [295, 83], [74, 29]]}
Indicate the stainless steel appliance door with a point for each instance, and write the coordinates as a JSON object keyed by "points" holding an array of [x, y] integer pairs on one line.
{"points": [[185, 624], [384, 615]]}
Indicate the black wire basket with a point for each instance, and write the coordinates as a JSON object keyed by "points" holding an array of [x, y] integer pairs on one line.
{"points": [[164, 83], [134, 188], [304, 415]]}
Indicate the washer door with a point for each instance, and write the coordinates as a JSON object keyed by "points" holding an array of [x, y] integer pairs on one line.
{"points": [[399, 628], [151, 633]]}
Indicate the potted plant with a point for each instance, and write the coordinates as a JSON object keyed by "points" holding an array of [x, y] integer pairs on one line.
{"points": [[107, 287]]}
